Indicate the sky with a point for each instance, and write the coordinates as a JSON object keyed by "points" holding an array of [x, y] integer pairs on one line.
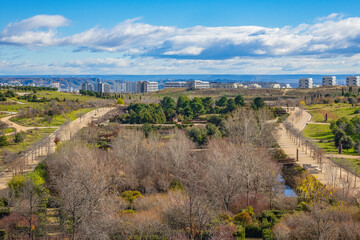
{"points": [[179, 37]]}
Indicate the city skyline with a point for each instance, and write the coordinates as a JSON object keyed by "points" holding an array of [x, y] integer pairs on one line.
{"points": [[180, 37]]}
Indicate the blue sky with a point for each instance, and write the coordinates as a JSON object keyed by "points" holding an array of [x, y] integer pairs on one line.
{"points": [[179, 37]]}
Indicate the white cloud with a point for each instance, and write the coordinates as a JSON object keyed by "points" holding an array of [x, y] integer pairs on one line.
{"points": [[330, 35]]}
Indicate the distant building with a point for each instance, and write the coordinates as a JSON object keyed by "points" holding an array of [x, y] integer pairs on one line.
{"points": [[329, 81], [106, 88], [305, 83], [55, 85], [287, 85], [197, 84], [131, 87], [120, 87], [101, 87], [254, 86], [224, 85], [145, 86], [353, 81], [152, 86], [175, 84], [275, 85], [87, 86]]}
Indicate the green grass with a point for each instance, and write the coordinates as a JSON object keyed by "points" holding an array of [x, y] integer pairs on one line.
{"points": [[334, 111], [31, 136], [324, 138], [62, 95], [57, 120]]}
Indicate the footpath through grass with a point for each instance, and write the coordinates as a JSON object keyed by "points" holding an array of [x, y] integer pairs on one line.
{"points": [[324, 138]]}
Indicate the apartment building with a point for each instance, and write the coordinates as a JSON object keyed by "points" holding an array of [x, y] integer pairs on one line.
{"points": [[329, 81], [353, 81], [305, 83], [197, 84], [86, 86], [175, 84]]}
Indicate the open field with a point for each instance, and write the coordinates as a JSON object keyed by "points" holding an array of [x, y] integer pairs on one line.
{"points": [[57, 120], [324, 138], [334, 111]]}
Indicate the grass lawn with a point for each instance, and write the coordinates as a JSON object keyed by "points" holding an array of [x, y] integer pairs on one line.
{"points": [[334, 112], [62, 95], [324, 138], [57, 120]]}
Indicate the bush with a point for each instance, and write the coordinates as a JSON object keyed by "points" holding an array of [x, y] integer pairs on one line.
{"points": [[224, 217], [357, 111], [243, 218], [3, 141], [240, 233], [120, 101], [253, 231], [303, 206], [337, 100], [19, 137], [267, 234]]}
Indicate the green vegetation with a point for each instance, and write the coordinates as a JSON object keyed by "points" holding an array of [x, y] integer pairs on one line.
{"points": [[334, 111], [56, 120]]}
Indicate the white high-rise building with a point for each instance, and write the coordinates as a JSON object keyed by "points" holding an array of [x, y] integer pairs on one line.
{"points": [[329, 81], [106, 88], [305, 83], [120, 87], [55, 85], [87, 86], [131, 87], [353, 81]]}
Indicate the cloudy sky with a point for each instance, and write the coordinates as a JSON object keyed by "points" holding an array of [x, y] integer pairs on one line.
{"points": [[179, 37]]}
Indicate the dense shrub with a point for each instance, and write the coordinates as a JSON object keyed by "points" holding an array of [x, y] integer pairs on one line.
{"points": [[243, 218], [4, 141], [267, 234], [240, 233]]}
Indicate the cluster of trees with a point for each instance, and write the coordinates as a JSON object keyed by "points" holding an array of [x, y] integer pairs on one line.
{"points": [[7, 94], [185, 108], [139, 113], [29, 88], [345, 131], [99, 94], [33, 98]]}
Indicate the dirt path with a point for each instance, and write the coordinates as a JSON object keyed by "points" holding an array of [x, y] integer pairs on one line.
{"points": [[35, 156], [330, 173], [15, 125]]}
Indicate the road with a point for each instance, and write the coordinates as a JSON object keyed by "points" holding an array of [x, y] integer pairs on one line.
{"points": [[330, 173], [38, 153]]}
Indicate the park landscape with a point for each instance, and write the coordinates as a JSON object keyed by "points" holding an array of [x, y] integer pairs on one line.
{"points": [[178, 164]]}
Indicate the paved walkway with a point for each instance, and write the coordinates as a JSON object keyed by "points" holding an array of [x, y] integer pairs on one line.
{"points": [[40, 152], [329, 173]]}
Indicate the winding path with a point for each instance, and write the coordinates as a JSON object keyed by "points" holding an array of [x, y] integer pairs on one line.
{"points": [[330, 173]]}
